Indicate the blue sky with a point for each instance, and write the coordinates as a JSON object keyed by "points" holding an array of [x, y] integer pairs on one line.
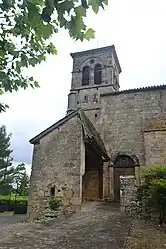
{"points": [[135, 27]]}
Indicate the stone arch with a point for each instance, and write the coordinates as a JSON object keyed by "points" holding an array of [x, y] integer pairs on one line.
{"points": [[127, 154], [87, 61], [124, 163]]}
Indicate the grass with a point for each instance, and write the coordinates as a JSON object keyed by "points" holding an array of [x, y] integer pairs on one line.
{"points": [[12, 197], [146, 235], [6, 213]]}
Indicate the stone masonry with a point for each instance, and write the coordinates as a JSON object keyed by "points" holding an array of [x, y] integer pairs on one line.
{"points": [[128, 127], [56, 163], [128, 194]]}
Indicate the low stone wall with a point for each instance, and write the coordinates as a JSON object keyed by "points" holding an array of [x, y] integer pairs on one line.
{"points": [[130, 204], [128, 194]]}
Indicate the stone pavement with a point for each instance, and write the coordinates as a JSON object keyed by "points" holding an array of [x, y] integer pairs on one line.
{"points": [[98, 225]]}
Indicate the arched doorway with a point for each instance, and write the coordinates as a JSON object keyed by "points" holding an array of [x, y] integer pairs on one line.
{"points": [[123, 165]]}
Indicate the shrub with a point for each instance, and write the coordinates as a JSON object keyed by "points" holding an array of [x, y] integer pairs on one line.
{"points": [[55, 204], [7, 204], [153, 192]]}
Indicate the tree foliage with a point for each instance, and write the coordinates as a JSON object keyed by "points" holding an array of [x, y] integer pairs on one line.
{"points": [[154, 190], [55, 204], [6, 168], [21, 180], [26, 29]]}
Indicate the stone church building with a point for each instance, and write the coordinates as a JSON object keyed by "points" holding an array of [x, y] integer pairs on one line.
{"points": [[106, 133]]}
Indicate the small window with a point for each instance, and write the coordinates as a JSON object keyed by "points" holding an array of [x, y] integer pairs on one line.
{"points": [[85, 98], [52, 192], [95, 97], [85, 76], [97, 74], [92, 61]]}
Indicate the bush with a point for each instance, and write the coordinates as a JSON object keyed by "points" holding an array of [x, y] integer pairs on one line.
{"points": [[153, 192], [18, 205], [55, 204]]}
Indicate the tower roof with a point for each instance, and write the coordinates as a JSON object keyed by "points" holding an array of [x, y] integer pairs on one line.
{"points": [[101, 50]]}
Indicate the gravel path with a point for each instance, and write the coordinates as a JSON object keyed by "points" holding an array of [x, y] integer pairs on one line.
{"points": [[97, 226]]}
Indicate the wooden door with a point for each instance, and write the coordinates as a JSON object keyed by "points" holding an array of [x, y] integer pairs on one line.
{"points": [[91, 189], [117, 173]]}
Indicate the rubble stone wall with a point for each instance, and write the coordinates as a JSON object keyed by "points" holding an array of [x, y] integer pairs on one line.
{"points": [[128, 194], [56, 164]]}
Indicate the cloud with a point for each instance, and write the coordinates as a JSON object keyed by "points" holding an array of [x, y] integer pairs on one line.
{"points": [[136, 28], [28, 166]]}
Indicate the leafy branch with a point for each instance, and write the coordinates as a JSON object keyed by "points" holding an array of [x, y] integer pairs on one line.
{"points": [[26, 29]]}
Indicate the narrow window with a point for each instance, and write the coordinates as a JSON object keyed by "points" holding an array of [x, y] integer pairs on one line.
{"points": [[85, 98], [85, 76], [97, 74], [95, 97], [52, 192]]}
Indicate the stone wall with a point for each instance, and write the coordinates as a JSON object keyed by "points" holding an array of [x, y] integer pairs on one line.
{"points": [[128, 194], [105, 57], [155, 147], [56, 164], [122, 119], [88, 97]]}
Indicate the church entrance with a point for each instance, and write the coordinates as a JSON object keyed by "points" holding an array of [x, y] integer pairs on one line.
{"points": [[92, 180], [123, 165]]}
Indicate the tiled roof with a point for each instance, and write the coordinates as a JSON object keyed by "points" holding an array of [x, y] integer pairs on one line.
{"points": [[92, 51], [135, 90], [89, 130]]}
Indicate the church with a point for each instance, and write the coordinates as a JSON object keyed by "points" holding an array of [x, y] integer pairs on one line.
{"points": [[106, 133]]}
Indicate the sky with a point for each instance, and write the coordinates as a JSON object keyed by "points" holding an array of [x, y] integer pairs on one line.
{"points": [[135, 27]]}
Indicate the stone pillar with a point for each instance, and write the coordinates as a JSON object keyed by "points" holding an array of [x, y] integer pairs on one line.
{"points": [[137, 175], [128, 194], [71, 102], [106, 180], [111, 181], [82, 166]]}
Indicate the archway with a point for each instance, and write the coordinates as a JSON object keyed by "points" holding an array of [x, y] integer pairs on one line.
{"points": [[92, 180], [123, 165]]}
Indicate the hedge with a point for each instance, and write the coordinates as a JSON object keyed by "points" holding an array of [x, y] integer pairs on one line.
{"points": [[19, 206], [153, 192]]}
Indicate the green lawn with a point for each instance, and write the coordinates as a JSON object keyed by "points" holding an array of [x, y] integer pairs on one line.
{"points": [[12, 197]]}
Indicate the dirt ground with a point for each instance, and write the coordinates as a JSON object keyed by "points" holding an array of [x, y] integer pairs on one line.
{"points": [[96, 226], [146, 235]]}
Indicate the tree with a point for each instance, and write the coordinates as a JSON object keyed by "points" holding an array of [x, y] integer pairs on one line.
{"points": [[26, 29], [24, 184], [6, 168], [21, 179]]}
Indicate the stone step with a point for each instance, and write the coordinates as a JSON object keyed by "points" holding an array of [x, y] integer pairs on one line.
{"points": [[52, 214]]}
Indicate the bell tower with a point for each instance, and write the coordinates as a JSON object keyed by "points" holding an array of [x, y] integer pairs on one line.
{"points": [[94, 72]]}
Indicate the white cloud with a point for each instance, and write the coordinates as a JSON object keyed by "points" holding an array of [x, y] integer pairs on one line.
{"points": [[28, 167], [136, 28]]}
